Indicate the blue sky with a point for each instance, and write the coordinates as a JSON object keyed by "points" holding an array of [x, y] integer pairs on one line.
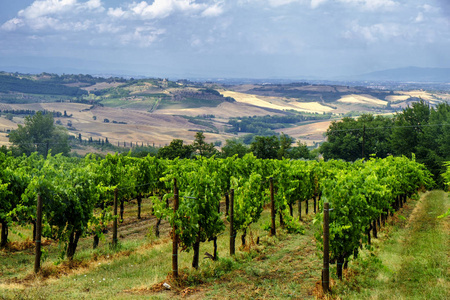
{"points": [[219, 38]]}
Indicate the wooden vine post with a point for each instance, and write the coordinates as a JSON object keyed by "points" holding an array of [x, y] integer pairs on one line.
{"points": [[232, 231], [299, 209], [174, 230], [272, 206], [326, 249], [139, 201], [315, 202], [114, 239], [37, 257], [227, 203]]}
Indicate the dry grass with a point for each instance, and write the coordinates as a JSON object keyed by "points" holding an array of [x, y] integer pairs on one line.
{"points": [[397, 98], [253, 100], [419, 94], [362, 99], [308, 133], [224, 110], [101, 86], [277, 103], [312, 107]]}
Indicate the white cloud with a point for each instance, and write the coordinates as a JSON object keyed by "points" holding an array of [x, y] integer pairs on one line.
{"points": [[163, 8], [374, 33], [276, 3], [160, 9], [317, 3], [108, 28], [372, 4], [143, 36], [12, 24], [419, 17], [123, 23], [116, 12], [95, 4], [47, 7], [213, 11], [44, 23]]}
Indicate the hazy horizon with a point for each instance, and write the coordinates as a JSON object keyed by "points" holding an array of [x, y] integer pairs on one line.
{"points": [[316, 39]]}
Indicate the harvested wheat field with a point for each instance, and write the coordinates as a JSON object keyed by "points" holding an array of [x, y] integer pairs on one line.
{"points": [[308, 133], [362, 99], [277, 103], [397, 98], [223, 110]]}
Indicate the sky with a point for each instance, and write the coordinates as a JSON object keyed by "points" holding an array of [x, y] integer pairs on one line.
{"points": [[293, 39]]}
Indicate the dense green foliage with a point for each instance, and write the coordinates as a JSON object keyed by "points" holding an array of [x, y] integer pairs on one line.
{"points": [[421, 130], [76, 193], [24, 85], [362, 192], [39, 134], [446, 175], [348, 138]]}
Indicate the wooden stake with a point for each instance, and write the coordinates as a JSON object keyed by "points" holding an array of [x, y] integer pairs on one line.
{"points": [[175, 235], [114, 240], [272, 206], [37, 258], [232, 233], [326, 247]]}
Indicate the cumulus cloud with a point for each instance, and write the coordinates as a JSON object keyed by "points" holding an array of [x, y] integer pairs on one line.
{"points": [[374, 33], [213, 11], [372, 4], [47, 17], [276, 3], [369, 5], [95, 4], [116, 12], [47, 7], [143, 36], [419, 17], [317, 3], [163, 8], [12, 24]]}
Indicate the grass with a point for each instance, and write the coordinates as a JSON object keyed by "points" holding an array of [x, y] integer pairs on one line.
{"points": [[411, 260], [141, 263], [408, 261], [189, 102], [146, 103]]}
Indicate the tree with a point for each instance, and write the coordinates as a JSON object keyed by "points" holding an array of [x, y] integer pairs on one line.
{"points": [[201, 147], [265, 147], [233, 147], [350, 139], [39, 134], [175, 149], [409, 130], [285, 145], [301, 151], [433, 140]]}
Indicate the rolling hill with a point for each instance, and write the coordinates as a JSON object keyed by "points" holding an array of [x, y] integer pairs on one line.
{"points": [[155, 111]]}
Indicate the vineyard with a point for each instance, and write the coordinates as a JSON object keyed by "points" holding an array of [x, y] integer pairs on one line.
{"points": [[69, 199]]}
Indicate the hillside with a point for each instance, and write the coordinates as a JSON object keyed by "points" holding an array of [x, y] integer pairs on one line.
{"points": [[155, 111]]}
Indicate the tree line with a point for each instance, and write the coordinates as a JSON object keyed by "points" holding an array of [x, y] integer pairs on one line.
{"points": [[419, 130], [23, 85]]}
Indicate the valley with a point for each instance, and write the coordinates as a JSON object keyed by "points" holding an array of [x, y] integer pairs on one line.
{"points": [[156, 111]]}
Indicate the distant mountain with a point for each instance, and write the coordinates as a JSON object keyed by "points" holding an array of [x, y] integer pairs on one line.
{"points": [[408, 74]]}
